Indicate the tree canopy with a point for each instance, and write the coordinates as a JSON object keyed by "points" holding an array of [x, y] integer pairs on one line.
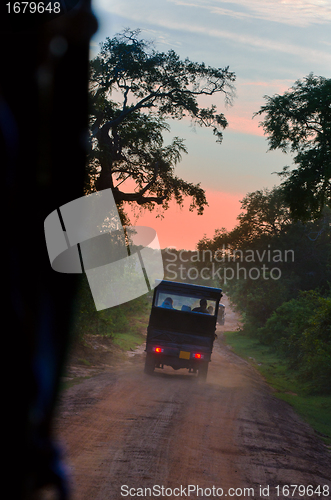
{"points": [[299, 121], [265, 225], [264, 214], [134, 89]]}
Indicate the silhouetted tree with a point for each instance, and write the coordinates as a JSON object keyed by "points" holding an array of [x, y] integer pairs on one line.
{"points": [[133, 90], [299, 121]]}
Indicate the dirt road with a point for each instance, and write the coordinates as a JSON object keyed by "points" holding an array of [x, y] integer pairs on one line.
{"points": [[125, 432]]}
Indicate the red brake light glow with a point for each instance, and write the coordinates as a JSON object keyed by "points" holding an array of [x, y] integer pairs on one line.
{"points": [[197, 355], [158, 349]]}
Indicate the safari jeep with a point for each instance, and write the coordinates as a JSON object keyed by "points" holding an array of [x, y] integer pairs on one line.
{"points": [[181, 329]]}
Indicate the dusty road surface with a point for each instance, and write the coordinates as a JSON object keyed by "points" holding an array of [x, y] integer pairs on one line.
{"points": [[130, 435]]}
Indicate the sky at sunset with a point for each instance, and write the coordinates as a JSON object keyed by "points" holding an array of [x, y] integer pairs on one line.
{"points": [[268, 44]]}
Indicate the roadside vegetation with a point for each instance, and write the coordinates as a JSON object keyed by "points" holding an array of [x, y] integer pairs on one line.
{"points": [[285, 302], [315, 409], [125, 324]]}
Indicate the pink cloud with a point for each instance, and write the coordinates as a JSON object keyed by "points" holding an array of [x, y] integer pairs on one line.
{"points": [[244, 124], [250, 97], [183, 229]]}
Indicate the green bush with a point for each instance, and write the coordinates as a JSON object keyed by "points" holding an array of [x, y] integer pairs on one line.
{"points": [[107, 322], [257, 300], [285, 326], [300, 330], [316, 348]]}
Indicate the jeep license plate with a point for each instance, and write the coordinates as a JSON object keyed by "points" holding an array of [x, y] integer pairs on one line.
{"points": [[184, 354]]}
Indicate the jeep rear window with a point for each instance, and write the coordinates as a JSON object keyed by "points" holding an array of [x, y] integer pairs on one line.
{"points": [[182, 302]]}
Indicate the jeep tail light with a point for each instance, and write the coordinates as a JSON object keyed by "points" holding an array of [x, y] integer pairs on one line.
{"points": [[158, 349], [197, 355]]}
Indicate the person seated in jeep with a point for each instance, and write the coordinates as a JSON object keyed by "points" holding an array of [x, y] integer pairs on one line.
{"points": [[168, 303], [202, 308]]}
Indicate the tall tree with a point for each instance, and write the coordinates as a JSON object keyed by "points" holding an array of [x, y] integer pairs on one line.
{"points": [[299, 121], [133, 90]]}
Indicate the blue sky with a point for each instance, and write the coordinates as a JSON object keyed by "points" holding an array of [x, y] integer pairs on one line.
{"points": [[268, 44]]}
